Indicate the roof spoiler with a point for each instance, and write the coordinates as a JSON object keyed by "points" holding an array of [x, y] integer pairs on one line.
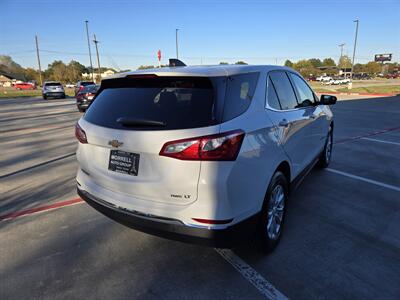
{"points": [[174, 62]]}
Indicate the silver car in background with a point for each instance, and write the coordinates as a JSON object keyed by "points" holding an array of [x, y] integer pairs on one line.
{"points": [[53, 89]]}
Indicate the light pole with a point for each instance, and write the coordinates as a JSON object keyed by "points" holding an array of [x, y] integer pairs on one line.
{"points": [[90, 53], [354, 50], [341, 55], [176, 42]]}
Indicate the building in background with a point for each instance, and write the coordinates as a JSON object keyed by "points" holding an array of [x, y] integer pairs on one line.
{"points": [[103, 75], [6, 80]]}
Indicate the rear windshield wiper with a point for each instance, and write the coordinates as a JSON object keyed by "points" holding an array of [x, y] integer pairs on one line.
{"points": [[134, 122]]}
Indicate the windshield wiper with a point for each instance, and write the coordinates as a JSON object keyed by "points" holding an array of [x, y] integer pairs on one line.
{"points": [[133, 122]]}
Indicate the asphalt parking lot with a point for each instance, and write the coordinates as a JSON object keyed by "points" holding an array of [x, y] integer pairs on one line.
{"points": [[341, 241]]}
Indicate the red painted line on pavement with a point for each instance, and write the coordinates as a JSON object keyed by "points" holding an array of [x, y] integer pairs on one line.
{"points": [[30, 211], [366, 135]]}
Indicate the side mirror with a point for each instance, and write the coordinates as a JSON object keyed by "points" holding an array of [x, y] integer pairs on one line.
{"points": [[328, 100]]}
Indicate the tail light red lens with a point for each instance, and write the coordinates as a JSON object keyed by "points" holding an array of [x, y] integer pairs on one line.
{"points": [[80, 134], [221, 147]]}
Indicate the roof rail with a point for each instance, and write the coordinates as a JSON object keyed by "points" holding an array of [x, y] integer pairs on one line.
{"points": [[174, 62]]}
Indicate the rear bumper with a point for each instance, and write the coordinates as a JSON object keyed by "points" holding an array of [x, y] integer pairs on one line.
{"points": [[54, 94], [174, 229], [82, 104]]}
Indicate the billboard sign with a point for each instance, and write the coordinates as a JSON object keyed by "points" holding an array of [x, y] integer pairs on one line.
{"points": [[383, 57]]}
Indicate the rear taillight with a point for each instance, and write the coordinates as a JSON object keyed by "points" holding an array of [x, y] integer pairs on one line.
{"points": [[80, 134], [223, 146]]}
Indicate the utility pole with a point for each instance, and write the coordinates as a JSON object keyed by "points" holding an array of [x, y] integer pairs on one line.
{"points": [[38, 58], [90, 53], [354, 50], [341, 55], [176, 42], [95, 41]]}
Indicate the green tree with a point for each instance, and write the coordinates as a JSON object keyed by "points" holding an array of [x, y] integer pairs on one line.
{"points": [[288, 63], [328, 62], [305, 68], [144, 67], [359, 68], [57, 71], [393, 67], [316, 62], [240, 62], [344, 62], [32, 74], [74, 71], [373, 67], [10, 67]]}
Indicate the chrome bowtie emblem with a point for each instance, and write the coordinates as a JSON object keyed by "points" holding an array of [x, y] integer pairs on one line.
{"points": [[115, 143]]}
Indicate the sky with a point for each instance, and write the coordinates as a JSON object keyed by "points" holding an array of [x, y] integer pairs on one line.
{"points": [[259, 32]]}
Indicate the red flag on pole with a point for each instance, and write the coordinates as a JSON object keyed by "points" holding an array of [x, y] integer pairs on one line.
{"points": [[159, 55]]}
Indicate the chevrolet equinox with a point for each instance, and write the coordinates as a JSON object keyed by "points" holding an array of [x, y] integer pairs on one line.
{"points": [[206, 155]]}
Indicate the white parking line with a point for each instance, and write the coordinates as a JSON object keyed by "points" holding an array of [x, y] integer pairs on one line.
{"points": [[380, 141], [385, 185], [258, 281]]}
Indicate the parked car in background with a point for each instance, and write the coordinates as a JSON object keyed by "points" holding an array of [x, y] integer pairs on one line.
{"points": [[323, 78], [361, 76], [85, 97], [80, 85], [25, 86], [339, 81], [312, 78], [70, 85], [53, 89], [205, 155], [393, 76]]}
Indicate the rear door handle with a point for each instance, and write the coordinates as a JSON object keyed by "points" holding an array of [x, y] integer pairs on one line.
{"points": [[284, 123]]}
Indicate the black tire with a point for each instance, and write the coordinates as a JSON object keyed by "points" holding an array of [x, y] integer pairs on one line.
{"points": [[265, 240], [44, 97], [326, 155], [63, 96]]}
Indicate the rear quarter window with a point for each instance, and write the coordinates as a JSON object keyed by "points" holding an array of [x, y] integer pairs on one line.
{"points": [[239, 94]]}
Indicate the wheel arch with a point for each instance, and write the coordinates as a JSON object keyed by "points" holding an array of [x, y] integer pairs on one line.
{"points": [[284, 167]]}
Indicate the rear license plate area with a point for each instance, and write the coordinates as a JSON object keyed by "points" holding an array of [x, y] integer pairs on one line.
{"points": [[124, 162]]}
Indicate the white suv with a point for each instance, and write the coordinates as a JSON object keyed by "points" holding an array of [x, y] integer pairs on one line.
{"points": [[202, 154]]}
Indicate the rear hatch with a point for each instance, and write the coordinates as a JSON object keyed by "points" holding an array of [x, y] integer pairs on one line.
{"points": [[132, 118], [54, 87]]}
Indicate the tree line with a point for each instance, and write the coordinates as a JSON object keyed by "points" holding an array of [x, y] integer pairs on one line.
{"points": [[308, 67], [57, 71], [72, 71]]}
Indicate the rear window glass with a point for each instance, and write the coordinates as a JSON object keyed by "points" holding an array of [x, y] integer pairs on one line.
{"points": [[91, 89], [272, 98], [176, 102], [239, 93], [53, 84], [85, 83]]}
